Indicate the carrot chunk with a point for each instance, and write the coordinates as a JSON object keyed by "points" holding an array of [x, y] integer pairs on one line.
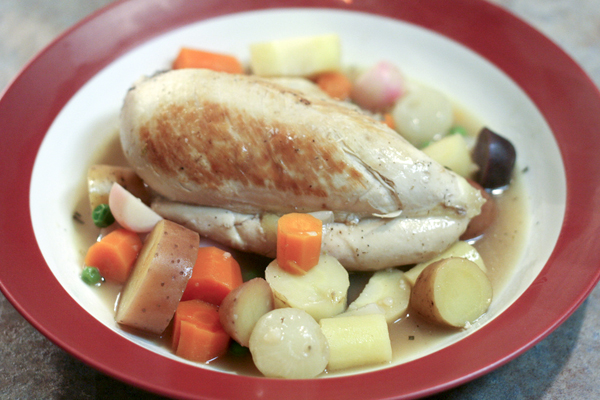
{"points": [[192, 58], [298, 242], [197, 331], [115, 255], [389, 120], [215, 274], [335, 84]]}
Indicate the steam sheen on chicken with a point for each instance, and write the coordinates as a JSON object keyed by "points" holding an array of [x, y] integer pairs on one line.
{"points": [[223, 151]]}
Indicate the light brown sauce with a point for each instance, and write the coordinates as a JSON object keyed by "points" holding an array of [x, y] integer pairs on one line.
{"points": [[500, 248]]}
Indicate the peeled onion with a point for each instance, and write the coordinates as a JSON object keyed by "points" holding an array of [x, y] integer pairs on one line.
{"points": [[379, 87], [423, 115], [288, 343]]}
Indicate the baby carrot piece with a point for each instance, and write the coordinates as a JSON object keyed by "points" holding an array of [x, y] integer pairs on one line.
{"points": [[335, 84], [115, 255], [197, 331], [192, 58], [215, 274], [298, 242]]}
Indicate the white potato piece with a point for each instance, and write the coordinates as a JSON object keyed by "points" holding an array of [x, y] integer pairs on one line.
{"points": [[423, 115], [101, 178], [453, 292], [288, 343], [389, 290], [453, 152], [357, 340], [322, 291], [300, 56], [130, 212], [161, 272], [459, 249], [243, 307], [370, 308]]}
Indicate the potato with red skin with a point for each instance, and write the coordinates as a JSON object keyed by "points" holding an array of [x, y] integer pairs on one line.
{"points": [[452, 292], [151, 294], [486, 217], [243, 306]]}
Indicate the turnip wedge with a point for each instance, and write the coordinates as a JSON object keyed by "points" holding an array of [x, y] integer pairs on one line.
{"points": [[130, 212], [152, 292]]}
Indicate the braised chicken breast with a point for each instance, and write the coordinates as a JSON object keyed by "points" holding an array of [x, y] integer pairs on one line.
{"points": [[228, 153]]}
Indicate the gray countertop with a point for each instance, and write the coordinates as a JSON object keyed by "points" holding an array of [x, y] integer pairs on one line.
{"points": [[565, 365]]}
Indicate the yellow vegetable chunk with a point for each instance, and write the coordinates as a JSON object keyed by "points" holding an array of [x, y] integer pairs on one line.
{"points": [[301, 56], [321, 292], [243, 306], [458, 249], [452, 152], [357, 340], [101, 178], [452, 292], [389, 290]]}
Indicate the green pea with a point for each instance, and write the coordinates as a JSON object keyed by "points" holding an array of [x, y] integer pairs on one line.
{"points": [[91, 275], [427, 143], [236, 349], [251, 273], [458, 129], [102, 216]]}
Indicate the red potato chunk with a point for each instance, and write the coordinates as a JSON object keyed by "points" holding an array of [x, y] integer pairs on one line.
{"points": [[453, 292], [243, 306], [152, 292]]}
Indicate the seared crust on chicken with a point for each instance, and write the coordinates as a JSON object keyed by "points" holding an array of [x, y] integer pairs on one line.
{"points": [[252, 145]]}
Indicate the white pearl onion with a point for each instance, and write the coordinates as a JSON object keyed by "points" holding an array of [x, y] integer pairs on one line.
{"points": [[423, 115]]}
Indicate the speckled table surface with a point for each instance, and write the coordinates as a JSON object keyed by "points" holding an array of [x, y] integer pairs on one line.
{"points": [[565, 365]]}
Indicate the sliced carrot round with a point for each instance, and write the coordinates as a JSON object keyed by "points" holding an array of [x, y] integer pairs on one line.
{"points": [[115, 255], [299, 239], [215, 274]]}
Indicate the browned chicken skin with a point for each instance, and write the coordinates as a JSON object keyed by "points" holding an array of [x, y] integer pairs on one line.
{"points": [[254, 146]]}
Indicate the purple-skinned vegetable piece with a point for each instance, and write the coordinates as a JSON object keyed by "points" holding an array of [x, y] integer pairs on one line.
{"points": [[496, 157]]}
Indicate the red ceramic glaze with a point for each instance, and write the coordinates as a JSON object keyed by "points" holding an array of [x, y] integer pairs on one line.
{"points": [[539, 67]]}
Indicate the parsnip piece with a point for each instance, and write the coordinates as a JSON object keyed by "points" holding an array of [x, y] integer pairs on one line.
{"points": [[452, 292], [101, 178], [452, 152], [389, 290], [458, 249], [301, 56], [243, 306], [322, 291], [151, 294], [288, 343], [357, 340]]}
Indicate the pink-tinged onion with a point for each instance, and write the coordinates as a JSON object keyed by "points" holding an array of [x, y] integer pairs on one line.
{"points": [[379, 87], [130, 212]]}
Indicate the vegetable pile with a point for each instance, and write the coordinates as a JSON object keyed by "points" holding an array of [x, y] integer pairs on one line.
{"points": [[296, 319]]}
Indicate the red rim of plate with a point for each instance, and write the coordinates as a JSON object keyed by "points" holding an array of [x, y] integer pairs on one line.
{"points": [[563, 93]]}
